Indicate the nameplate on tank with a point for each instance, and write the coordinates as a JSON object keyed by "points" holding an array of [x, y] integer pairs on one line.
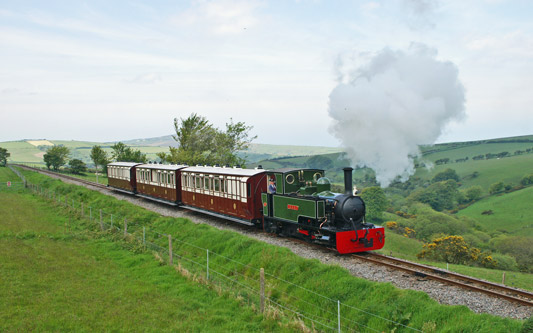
{"points": [[292, 207]]}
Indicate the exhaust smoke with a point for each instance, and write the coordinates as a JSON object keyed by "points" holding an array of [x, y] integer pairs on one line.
{"points": [[384, 109]]}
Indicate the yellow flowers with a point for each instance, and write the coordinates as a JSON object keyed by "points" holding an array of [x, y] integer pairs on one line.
{"points": [[391, 225], [455, 250]]}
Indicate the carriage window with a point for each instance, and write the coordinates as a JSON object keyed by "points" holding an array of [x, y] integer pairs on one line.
{"points": [[217, 184], [249, 188], [206, 183]]}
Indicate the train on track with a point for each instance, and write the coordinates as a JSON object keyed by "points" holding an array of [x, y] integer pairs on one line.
{"points": [[288, 202]]}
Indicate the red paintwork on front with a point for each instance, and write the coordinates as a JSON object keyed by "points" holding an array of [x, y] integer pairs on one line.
{"points": [[346, 245]]}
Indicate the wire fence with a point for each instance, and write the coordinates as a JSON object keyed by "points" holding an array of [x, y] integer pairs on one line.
{"points": [[249, 284]]}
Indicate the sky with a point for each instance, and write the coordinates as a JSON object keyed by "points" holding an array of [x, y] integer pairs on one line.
{"points": [[117, 70]]}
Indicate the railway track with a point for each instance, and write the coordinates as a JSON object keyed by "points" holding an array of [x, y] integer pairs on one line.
{"points": [[511, 294], [80, 180], [496, 290]]}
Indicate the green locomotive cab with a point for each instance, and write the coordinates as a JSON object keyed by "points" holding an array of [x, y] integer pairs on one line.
{"points": [[295, 200]]}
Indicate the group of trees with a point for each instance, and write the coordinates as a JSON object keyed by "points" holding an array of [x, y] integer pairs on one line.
{"points": [[202, 143], [58, 156], [3, 156], [199, 143], [486, 156]]}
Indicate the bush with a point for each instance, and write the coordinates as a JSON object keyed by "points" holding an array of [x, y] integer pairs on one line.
{"points": [[496, 188], [505, 262]]}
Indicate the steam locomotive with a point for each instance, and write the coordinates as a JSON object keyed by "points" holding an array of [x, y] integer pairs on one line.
{"points": [[288, 202]]}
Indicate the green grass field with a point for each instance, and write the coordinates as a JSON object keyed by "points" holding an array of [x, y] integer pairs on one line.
{"points": [[55, 280], [510, 170], [512, 212], [332, 281]]}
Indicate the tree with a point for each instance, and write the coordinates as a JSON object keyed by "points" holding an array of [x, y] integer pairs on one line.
{"points": [[123, 153], [473, 193], [56, 156], [496, 187], [445, 175], [77, 166], [3, 156], [440, 196], [375, 201], [99, 156], [201, 143]]}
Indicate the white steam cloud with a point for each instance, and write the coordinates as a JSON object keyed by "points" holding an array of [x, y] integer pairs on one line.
{"points": [[384, 109]]}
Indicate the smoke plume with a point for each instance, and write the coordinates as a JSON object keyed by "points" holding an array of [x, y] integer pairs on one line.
{"points": [[384, 109]]}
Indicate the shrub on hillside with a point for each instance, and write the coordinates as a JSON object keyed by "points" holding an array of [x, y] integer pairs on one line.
{"points": [[496, 188], [505, 262], [519, 247], [446, 175], [473, 193], [455, 250], [440, 196], [527, 180], [429, 222]]}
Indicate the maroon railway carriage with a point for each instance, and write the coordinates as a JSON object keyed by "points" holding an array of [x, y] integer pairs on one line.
{"points": [[159, 182], [232, 193], [121, 176]]}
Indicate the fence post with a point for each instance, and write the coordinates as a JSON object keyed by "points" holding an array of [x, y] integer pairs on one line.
{"points": [[339, 315], [66, 200], [170, 257], [207, 269], [262, 287], [125, 227], [101, 221], [503, 278]]}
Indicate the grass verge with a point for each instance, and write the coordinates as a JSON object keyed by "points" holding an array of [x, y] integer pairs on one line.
{"points": [[60, 280]]}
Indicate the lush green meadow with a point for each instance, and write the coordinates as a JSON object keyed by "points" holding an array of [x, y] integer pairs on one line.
{"points": [[66, 279], [508, 170], [512, 213], [410, 307]]}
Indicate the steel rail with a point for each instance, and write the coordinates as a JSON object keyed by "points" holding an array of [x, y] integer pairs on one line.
{"points": [[81, 180], [524, 297]]}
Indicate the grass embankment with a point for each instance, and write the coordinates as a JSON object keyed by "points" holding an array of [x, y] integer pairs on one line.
{"points": [[55, 279], [411, 308]]}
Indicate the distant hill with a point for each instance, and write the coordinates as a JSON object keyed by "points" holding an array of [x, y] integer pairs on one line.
{"points": [[32, 151], [459, 156]]}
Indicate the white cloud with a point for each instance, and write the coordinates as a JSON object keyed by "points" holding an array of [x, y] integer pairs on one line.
{"points": [[224, 17]]}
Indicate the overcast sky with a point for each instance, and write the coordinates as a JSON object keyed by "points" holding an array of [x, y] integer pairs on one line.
{"points": [[118, 70]]}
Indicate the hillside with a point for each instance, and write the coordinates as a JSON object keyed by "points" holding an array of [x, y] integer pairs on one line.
{"points": [[32, 151], [511, 213]]}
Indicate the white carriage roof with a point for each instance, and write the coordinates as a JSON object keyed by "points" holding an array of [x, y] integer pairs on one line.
{"points": [[168, 167], [224, 171], [124, 164]]}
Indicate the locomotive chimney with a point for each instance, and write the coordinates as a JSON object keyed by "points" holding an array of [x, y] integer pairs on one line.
{"points": [[348, 181]]}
